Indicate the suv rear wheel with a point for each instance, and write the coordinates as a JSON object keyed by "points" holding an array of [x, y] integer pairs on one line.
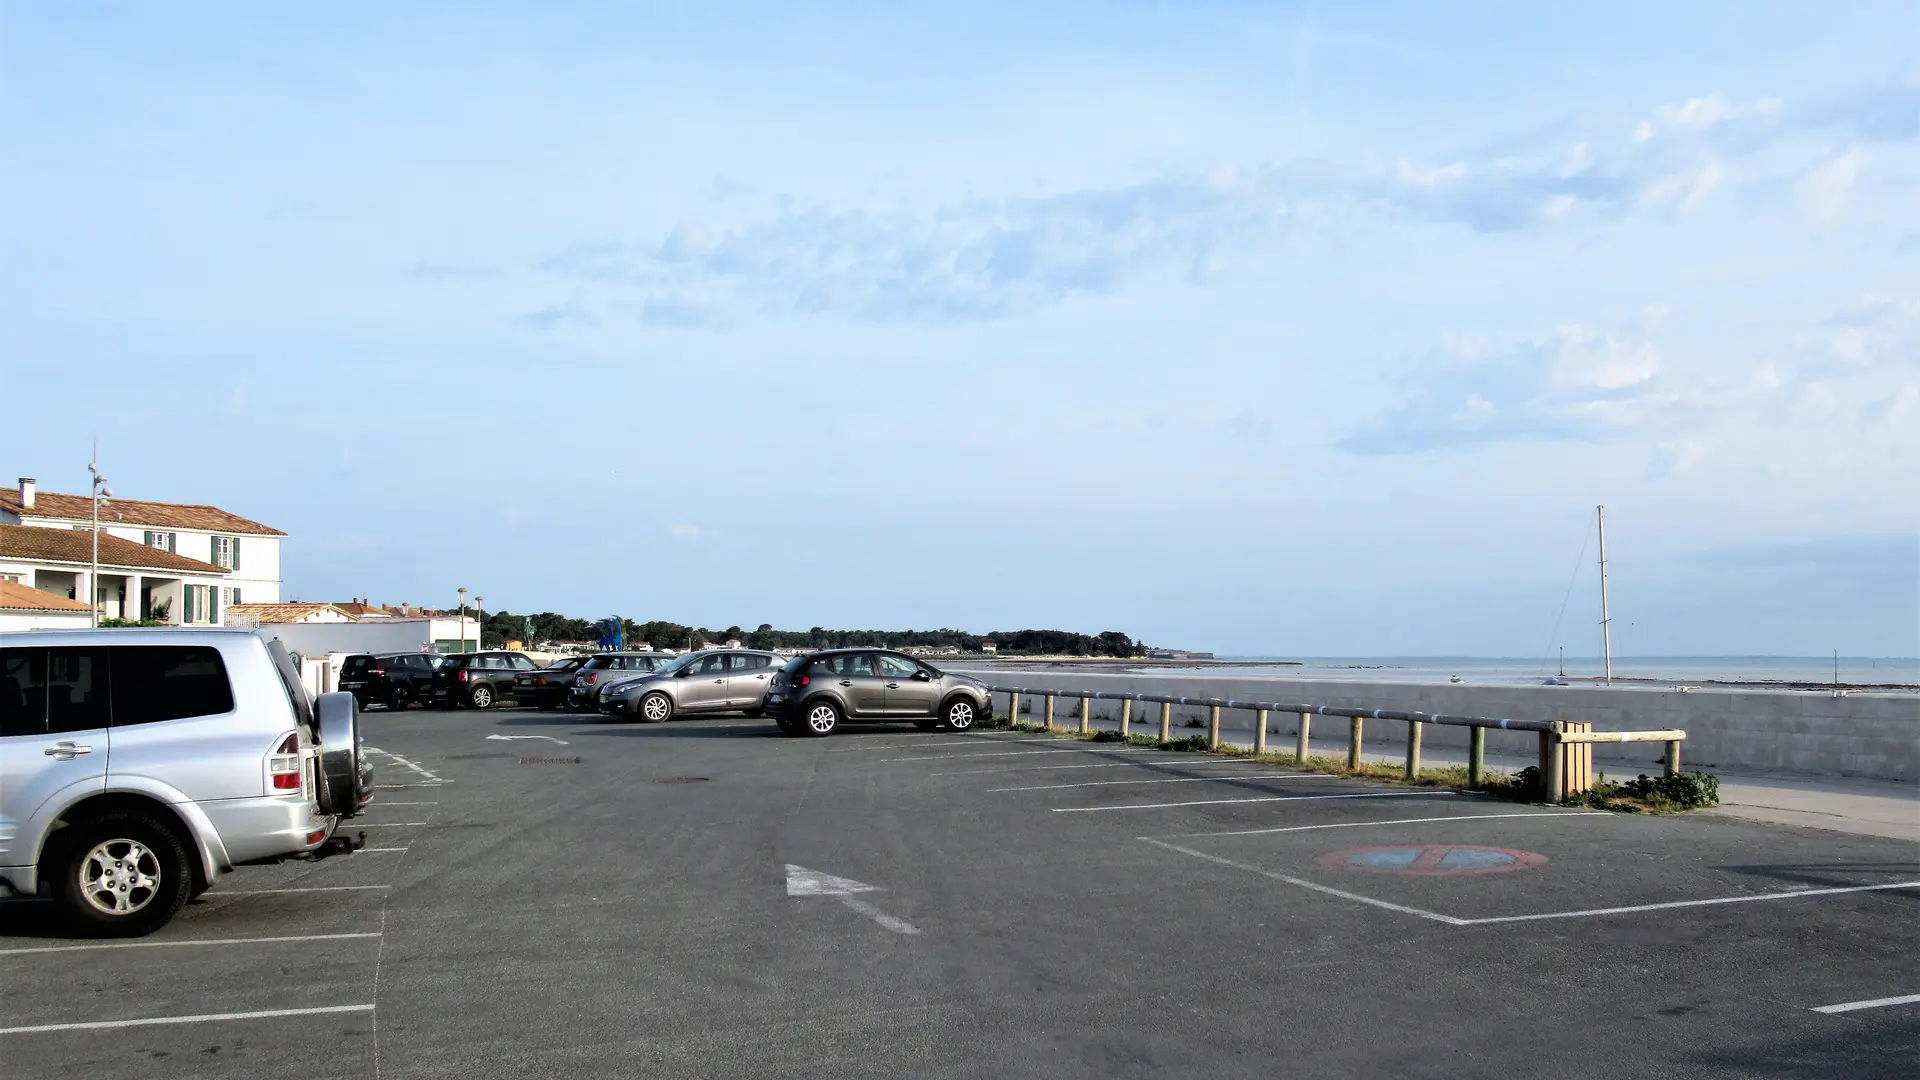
{"points": [[481, 696], [120, 876]]}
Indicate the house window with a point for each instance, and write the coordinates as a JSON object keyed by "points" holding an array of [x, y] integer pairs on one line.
{"points": [[197, 604], [230, 596], [165, 541], [226, 552], [15, 578]]}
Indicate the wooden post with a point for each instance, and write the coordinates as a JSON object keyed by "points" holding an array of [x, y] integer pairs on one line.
{"points": [[1213, 728], [1555, 772], [1353, 743], [1013, 709], [1476, 756], [1413, 749], [1049, 712], [1306, 722], [1260, 733], [1086, 715], [1126, 718], [1166, 722], [1576, 761], [1673, 757]]}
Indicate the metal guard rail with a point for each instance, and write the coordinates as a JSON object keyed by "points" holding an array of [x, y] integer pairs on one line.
{"points": [[1566, 762]]}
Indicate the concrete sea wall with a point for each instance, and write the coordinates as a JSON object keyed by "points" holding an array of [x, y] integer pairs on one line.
{"points": [[1867, 735]]}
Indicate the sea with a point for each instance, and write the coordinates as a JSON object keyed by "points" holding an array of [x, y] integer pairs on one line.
{"points": [[1892, 673]]}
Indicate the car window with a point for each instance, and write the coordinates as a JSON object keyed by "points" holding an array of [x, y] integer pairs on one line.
{"points": [[521, 663], [897, 667], [356, 665], [710, 665], [152, 683], [852, 664], [51, 691], [742, 662]]}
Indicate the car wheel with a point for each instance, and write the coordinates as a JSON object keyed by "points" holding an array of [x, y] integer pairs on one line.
{"points": [[400, 699], [958, 714], [656, 707], [121, 876], [481, 696], [823, 717]]}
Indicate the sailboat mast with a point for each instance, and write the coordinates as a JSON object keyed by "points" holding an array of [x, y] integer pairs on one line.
{"points": [[1606, 621]]}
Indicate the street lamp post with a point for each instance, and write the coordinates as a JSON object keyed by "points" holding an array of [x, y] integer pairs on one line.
{"points": [[100, 491], [479, 622], [463, 618]]}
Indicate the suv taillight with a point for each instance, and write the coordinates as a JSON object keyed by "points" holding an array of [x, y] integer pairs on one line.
{"points": [[283, 765], [463, 674], [378, 671], [803, 680]]}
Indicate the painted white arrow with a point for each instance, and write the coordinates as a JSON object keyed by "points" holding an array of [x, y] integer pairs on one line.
{"points": [[508, 738], [804, 882]]}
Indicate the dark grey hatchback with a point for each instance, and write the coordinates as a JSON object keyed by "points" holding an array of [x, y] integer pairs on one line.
{"points": [[816, 693]]}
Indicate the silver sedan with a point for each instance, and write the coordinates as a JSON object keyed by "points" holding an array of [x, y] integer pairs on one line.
{"points": [[711, 681]]}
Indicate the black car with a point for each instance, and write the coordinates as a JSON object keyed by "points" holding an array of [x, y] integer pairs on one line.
{"points": [[815, 694], [477, 680], [395, 680], [547, 687]]}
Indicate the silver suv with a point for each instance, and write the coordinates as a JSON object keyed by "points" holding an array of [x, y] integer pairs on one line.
{"points": [[137, 767], [816, 693], [716, 680]]}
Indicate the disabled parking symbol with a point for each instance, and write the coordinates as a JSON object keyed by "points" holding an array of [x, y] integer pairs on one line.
{"points": [[1432, 860]]}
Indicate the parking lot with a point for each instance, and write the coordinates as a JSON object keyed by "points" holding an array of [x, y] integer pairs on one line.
{"points": [[544, 895]]}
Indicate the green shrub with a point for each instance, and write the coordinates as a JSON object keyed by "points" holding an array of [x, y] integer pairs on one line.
{"points": [[1190, 744], [1683, 791], [1110, 736]]}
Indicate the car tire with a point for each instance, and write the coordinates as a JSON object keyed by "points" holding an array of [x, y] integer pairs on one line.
{"points": [[124, 875], [959, 714], [480, 697], [399, 699], [821, 718], [655, 708]]}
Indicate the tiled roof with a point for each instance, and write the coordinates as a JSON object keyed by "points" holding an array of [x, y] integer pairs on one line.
{"points": [[17, 597], [158, 515], [36, 543], [281, 613]]}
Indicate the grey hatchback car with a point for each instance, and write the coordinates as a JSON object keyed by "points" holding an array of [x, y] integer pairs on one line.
{"points": [[814, 694], [715, 680]]}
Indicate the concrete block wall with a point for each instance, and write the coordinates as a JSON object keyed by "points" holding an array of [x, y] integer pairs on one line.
{"points": [[1867, 735]]}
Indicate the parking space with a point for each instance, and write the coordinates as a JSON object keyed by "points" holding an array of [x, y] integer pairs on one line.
{"points": [[543, 893]]}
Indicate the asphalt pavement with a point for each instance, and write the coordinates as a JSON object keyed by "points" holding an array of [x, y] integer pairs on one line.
{"points": [[712, 899]]}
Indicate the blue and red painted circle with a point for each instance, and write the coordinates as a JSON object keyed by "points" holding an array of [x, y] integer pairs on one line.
{"points": [[1432, 860]]}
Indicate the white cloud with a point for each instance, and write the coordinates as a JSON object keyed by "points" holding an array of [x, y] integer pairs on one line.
{"points": [[1825, 190]]}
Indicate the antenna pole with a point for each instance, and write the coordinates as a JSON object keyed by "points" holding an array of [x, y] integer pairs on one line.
{"points": [[1606, 621]]}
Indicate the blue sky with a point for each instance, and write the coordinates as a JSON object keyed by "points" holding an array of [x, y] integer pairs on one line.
{"points": [[1266, 328]]}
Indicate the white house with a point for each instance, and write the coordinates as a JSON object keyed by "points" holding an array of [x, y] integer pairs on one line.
{"points": [[181, 563]]}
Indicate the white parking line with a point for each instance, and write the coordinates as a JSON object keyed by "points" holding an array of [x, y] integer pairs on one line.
{"points": [[277, 892], [364, 850], [1028, 753], [203, 1018], [1176, 780], [1876, 1003], [1395, 821], [182, 944], [1261, 798], [1095, 765], [384, 802], [387, 824], [1794, 894], [1315, 886], [405, 762], [906, 741]]}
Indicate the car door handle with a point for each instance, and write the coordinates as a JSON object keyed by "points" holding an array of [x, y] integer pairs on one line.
{"points": [[846, 682], [893, 686], [66, 751], [717, 682], [762, 678]]}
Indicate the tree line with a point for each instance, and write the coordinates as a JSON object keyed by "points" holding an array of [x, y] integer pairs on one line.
{"points": [[504, 626]]}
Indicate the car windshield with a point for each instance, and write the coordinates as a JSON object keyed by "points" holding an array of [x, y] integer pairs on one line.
{"points": [[676, 663]]}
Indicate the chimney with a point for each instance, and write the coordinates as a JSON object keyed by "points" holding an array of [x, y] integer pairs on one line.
{"points": [[28, 487]]}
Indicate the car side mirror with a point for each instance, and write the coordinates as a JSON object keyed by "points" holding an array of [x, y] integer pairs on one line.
{"points": [[683, 673], [923, 676]]}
